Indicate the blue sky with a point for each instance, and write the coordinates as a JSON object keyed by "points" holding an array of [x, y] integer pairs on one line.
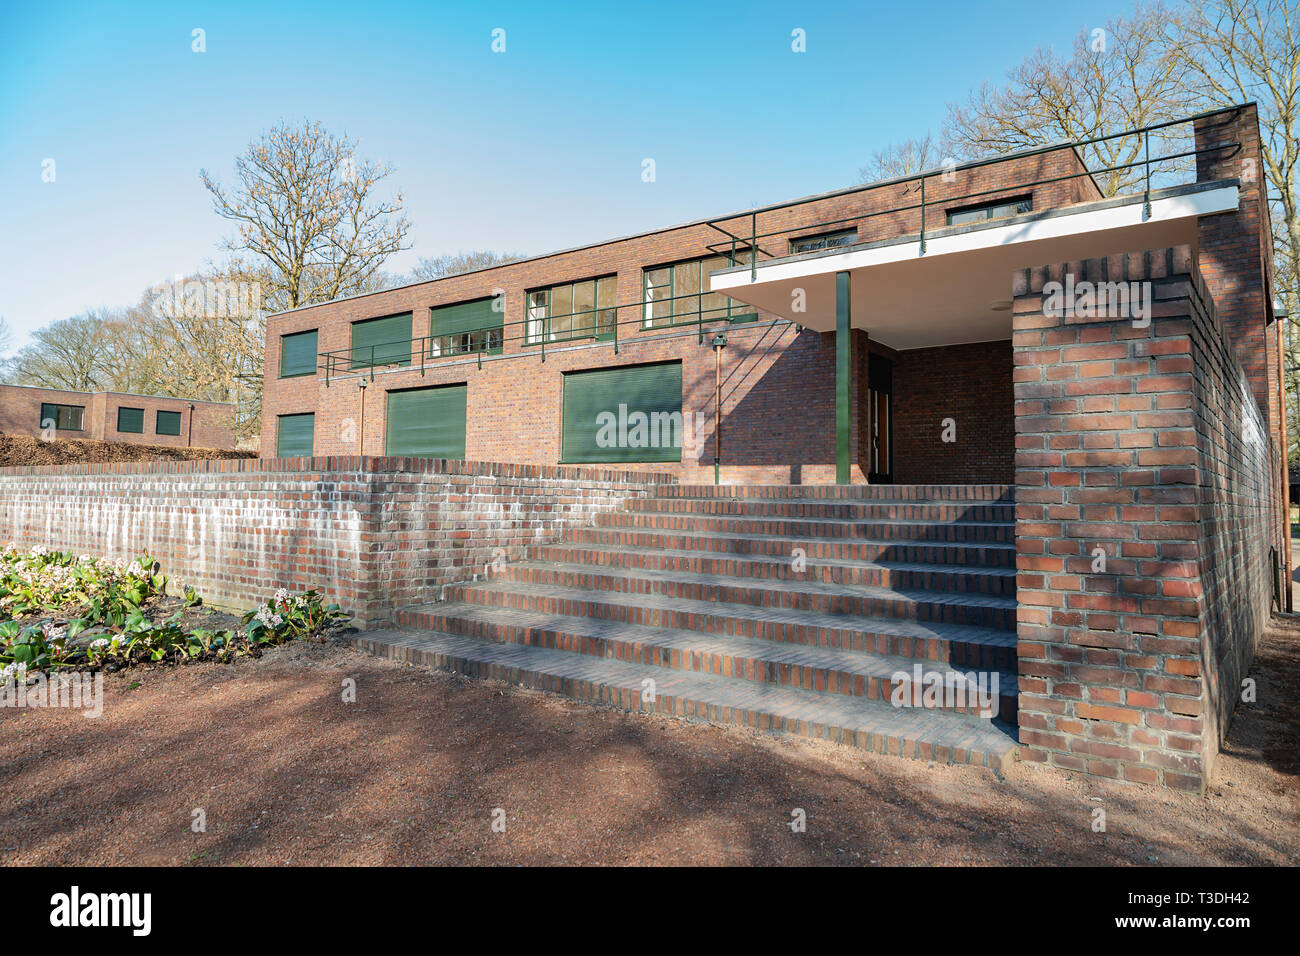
{"points": [[536, 148]]}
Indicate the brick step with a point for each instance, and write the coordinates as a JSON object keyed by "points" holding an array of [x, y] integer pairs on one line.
{"points": [[856, 721], [871, 492], [876, 530], [842, 509], [820, 669], [979, 610], [903, 576], [975, 554], [956, 644]]}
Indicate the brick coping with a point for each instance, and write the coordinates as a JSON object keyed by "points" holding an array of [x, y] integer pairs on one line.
{"points": [[346, 464]]}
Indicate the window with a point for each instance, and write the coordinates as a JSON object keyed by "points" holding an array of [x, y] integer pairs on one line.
{"points": [[675, 294], [826, 240], [130, 420], [382, 341], [295, 435], [578, 310], [298, 354], [64, 418], [426, 422], [466, 327], [623, 414], [168, 423], [992, 210]]}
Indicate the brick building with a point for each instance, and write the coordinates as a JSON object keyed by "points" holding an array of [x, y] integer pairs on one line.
{"points": [[116, 416], [975, 465]]}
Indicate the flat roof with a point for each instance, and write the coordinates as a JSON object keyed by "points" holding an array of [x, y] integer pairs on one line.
{"points": [[73, 391], [814, 197]]}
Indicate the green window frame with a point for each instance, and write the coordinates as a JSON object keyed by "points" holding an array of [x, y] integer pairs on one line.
{"points": [[167, 423], [999, 209], [298, 354], [130, 420], [467, 327], [823, 240], [295, 435], [674, 294], [382, 341], [628, 413], [586, 309], [65, 418], [426, 422]]}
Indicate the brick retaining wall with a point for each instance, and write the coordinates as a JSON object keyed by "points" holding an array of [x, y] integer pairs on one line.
{"points": [[376, 534], [1147, 444]]}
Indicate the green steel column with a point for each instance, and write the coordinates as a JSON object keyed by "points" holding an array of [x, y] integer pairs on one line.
{"points": [[843, 372]]}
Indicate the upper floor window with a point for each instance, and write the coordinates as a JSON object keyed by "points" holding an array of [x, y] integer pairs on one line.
{"points": [[466, 327], [676, 294], [382, 341], [64, 418], [991, 210], [577, 310], [825, 240], [298, 354]]}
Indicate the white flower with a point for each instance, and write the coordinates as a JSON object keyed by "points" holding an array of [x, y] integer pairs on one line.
{"points": [[99, 642]]}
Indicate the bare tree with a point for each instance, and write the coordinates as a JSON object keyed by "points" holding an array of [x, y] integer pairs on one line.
{"points": [[310, 223], [1235, 51], [907, 158], [88, 353], [1119, 77], [6, 335], [438, 267]]}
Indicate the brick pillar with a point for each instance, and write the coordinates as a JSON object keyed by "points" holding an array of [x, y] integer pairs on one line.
{"points": [[1142, 525]]}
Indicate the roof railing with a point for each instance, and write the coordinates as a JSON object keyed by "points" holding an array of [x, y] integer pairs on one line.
{"points": [[737, 238]]}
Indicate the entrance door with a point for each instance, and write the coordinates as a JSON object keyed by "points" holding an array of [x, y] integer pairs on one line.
{"points": [[880, 421]]}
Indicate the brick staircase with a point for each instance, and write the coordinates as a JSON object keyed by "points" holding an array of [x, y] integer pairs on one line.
{"points": [[787, 608]]}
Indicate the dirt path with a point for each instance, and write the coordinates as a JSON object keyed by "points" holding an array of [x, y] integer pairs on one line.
{"points": [[286, 772]]}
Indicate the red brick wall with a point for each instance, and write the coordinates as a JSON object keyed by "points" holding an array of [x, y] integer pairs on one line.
{"points": [[375, 533], [778, 403], [213, 426], [1143, 443], [971, 384]]}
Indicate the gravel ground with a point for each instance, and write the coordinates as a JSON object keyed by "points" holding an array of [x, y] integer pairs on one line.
{"points": [[288, 773]]}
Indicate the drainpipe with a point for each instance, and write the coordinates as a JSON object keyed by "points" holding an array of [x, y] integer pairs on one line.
{"points": [[361, 434], [189, 432], [719, 343]]}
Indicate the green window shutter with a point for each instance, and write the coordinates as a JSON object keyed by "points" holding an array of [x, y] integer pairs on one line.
{"points": [[169, 423], [298, 354], [390, 338], [295, 435], [466, 327], [632, 413], [426, 422], [130, 419]]}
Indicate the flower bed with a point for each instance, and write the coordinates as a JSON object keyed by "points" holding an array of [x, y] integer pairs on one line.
{"points": [[62, 612]]}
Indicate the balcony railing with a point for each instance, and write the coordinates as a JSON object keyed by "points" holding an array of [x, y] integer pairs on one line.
{"points": [[742, 231], [532, 334]]}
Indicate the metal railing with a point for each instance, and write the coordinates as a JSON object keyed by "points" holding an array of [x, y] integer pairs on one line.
{"points": [[533, 333], [615, 324], [753, 238]]}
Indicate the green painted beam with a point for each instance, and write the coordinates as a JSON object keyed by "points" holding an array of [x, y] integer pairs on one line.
{"points": [[843, 373]]}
